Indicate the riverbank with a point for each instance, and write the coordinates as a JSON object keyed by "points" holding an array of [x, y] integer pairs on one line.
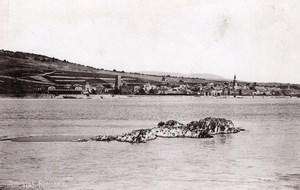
{"points": [[112, 96], [62, 96]]}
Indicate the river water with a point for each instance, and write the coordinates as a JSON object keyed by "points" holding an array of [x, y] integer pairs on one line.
{"points": [[265, 156]]}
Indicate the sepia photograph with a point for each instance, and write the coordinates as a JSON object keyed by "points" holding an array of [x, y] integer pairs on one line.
{"points": [[149, 95]]}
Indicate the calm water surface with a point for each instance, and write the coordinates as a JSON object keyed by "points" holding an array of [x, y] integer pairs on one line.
{"points": [[266, 156]]}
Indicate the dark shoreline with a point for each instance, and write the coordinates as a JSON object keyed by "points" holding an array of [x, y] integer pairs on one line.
{"points": [[51, 96]]}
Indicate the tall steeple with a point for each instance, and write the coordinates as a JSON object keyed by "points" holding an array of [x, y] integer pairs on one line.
{"points": [[234, 80]]}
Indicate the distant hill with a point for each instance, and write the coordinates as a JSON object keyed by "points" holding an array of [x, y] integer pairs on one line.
{"points": [[22, 72], [207, 76]]}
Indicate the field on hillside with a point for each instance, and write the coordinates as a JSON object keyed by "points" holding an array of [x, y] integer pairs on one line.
{"points": [[30, 72]]}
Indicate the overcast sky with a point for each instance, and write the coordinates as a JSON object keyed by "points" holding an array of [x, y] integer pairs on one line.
{"points": [[256, 39]]}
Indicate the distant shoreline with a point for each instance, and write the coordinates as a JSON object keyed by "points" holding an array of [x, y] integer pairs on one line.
{"points": [[109, 96]]}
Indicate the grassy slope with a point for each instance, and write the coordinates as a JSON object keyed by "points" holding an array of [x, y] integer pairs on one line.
{"points": [[32, 71]]}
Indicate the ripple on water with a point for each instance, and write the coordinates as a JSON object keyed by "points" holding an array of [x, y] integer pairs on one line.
{"points": [[266, 156]]}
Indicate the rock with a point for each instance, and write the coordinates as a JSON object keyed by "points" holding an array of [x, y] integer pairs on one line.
{"points": [[161, 123], [173, 123], [214, 125], [103, 138], [80, 140], [204, 128], [175, 129], [137, 136]]}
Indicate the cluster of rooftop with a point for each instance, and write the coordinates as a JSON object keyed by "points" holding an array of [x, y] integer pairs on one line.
{"points": [[229, 88]]}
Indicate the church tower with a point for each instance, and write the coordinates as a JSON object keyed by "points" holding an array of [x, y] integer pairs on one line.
{"points": [[234, 81], [118, 82]]}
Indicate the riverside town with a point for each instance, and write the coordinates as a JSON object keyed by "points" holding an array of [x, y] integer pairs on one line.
{"points": [[24, 74], [230, 88]]}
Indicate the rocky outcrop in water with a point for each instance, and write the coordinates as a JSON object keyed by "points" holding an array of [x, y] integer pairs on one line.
{"points": [[204, 128], [214, 125]]}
